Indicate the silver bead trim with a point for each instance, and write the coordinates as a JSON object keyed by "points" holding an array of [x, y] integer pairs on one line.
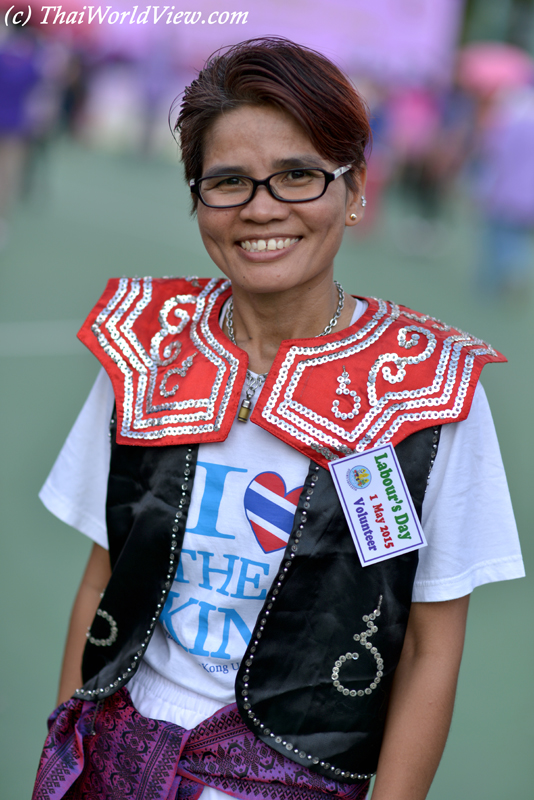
{"points": [[363, 641], [433, 453], [293, 546], [114, 630], [180, 516]]}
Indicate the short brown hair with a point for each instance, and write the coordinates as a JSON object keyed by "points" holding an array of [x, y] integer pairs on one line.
{"points": [[277, 72]]}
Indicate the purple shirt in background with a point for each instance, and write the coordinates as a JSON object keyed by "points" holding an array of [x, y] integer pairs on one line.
{"points": [[19, 73], [506, 180]]}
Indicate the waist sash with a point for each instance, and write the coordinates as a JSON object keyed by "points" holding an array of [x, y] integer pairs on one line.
{"points": [[107, 749]]}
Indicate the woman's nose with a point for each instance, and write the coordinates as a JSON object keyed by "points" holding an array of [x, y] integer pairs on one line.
{"points": [[264, 207]]}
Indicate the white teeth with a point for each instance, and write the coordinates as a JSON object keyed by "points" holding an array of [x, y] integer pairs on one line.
{"points": [[272, 244]]}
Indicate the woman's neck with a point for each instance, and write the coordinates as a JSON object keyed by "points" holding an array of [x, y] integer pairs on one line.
{"points": [[261, 322]]}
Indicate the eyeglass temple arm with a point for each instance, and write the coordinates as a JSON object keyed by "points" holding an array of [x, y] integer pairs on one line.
{"points": [[341, 170]]}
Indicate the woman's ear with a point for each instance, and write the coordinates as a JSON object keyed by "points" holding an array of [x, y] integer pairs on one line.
{"points": [[356, 200]]}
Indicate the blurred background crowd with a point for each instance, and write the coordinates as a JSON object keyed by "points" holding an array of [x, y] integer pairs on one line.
{"points": [[462, 121]]}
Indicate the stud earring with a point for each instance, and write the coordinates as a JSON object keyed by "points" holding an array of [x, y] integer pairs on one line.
{"points": [[353, 216], [364, 201]]}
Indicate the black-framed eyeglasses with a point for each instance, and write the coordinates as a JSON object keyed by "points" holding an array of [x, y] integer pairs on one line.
{"points": [[298, 185]]}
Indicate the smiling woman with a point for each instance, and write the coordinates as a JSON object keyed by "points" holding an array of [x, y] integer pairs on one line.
{"points": [[277, 252], [204, 648], [297, 125]]}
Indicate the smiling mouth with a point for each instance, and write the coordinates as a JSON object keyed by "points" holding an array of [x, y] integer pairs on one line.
{"points": [[258, 245]]}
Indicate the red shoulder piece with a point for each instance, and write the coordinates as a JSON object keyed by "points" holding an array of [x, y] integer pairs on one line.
{"points": [[176, 377], [392, 373]]}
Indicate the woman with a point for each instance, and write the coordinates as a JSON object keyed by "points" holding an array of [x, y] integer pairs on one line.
{"points": [[232, 583]]}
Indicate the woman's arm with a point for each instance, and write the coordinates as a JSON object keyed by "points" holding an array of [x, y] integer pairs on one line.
{"points": [[94, 581], [422, 700]]}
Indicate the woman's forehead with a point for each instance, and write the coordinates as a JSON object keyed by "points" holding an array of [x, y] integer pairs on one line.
{"points": [[251, 134]]}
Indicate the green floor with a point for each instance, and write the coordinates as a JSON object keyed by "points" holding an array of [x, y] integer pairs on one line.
{"points": [[97, 215]]}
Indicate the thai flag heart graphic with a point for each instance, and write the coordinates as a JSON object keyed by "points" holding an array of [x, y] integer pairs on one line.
{"points": [[270, 510]]}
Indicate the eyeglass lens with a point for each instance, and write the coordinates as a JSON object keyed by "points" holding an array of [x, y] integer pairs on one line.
{"points": [[293, 186]]}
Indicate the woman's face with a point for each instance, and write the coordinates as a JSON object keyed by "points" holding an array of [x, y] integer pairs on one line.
{"points": [[258, 141]]}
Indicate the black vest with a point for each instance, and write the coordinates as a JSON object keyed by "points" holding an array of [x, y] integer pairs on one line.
{"points": [[310, 684]]}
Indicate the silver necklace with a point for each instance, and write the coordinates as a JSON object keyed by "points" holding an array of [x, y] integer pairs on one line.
{"points": [[255, 381]]}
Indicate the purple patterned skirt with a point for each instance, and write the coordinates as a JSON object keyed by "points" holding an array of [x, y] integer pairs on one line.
{"points": [[108, 751]]}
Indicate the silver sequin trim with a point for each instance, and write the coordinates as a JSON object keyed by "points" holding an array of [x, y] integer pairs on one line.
{"points": [[343, 389], [181, 370], [113, 330], [363, 641], [347, 431], [388, 412]]}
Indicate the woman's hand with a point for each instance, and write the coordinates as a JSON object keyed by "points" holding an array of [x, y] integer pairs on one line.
{"points": [[422, 700], [94, 581]]}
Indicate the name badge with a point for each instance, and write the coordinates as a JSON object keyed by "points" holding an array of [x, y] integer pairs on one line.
{"points": [[377, 505]]}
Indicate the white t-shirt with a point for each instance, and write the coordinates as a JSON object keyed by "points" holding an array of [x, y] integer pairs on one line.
{"points": [[243, 501]]}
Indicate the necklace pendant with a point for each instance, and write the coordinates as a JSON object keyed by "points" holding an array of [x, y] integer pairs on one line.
{"points": [[244, 411]]}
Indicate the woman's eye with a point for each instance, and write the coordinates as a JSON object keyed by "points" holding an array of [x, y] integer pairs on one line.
{"points": [[223, 183], [296, 174], [229, 182], [299, 175]]}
